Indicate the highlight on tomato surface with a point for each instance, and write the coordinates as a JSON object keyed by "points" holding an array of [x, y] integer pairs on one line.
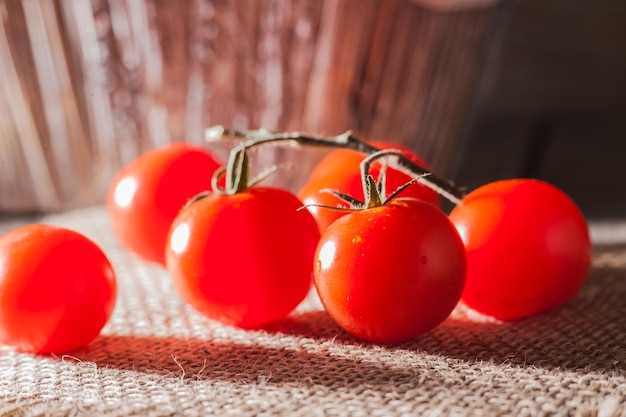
{"points": [[243, 255], [528, 248], [57, 289], [146, 195]]}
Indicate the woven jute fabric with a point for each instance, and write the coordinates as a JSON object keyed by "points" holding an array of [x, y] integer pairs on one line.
{"points": [[158, 357]]}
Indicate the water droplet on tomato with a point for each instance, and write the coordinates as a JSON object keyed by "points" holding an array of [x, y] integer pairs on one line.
{"points": [[357, 239], [423, 260]]}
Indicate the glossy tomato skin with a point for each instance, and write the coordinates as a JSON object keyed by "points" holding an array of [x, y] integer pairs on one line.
{"points": [[340, 170], [528, 248], [246, 259], [147, 194], [57, 289], [392, 273]]}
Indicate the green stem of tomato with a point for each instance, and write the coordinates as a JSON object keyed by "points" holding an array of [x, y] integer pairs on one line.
{"points": [[237, 171], [253, 138]]}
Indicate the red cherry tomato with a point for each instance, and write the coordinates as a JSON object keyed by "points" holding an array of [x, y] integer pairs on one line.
{"points": [[245, 259], [528, 248], [147, 194], [392, 273], [57, 289], [340, 170]]}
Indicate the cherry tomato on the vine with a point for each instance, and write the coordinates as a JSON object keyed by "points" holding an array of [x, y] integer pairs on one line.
{"points": [[340, 170], [528, 248], [147, 194], [244, 259], [57, 289], [391, 273]]}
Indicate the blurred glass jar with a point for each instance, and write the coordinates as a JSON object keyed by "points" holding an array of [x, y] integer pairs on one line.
{"points": [[86, 86]]}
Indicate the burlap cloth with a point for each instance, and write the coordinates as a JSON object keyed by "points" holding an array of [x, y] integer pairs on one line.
{"points": [[157, 357]]}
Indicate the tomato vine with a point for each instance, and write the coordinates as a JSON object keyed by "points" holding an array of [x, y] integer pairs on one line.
{"points": [[345, 140]]}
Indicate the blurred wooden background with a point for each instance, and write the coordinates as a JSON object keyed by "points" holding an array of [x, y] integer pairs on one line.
{"points": [[553, 106], [86, 86], [556, 107]]}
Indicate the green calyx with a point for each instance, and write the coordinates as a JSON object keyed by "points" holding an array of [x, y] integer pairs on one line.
{"points": [[237, 172], [374, 192]]}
